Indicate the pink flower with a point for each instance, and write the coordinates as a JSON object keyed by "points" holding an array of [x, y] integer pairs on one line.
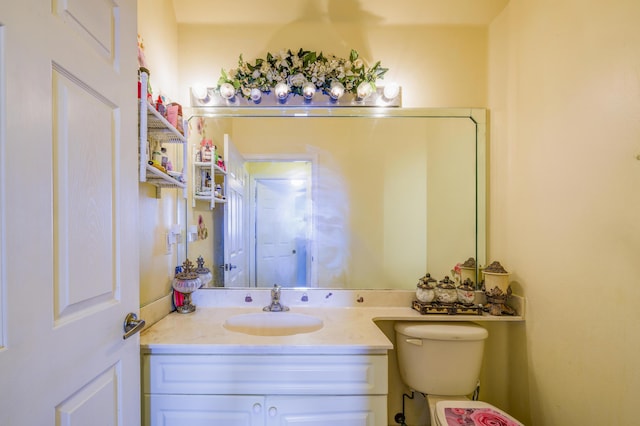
{"points": [[456, 271], [489, 417], [457, 416]]}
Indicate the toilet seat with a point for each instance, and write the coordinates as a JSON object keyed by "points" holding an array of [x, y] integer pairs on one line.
{"points": [[449, 413]]}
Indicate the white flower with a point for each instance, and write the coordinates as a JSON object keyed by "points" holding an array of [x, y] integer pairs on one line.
{"points": [[297, 80], [288, 66]]}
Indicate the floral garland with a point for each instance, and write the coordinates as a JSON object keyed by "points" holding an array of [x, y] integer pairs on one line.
{"points": [[296, 69]]}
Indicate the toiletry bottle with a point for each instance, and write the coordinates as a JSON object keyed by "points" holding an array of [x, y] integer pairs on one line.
{"points": [[160, 105], [164, 159]]}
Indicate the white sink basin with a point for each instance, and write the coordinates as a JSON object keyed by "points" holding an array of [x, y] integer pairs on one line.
{"points": [[273, 323]]}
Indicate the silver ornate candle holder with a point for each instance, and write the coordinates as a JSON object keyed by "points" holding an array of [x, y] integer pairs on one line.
{"points": [[186, 282]]}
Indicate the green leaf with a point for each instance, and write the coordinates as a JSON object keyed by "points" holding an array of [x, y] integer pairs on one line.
{"points": [[244, 79], [309, 58]]}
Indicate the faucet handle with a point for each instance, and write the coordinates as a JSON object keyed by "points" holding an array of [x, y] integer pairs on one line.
{"points": [[275, 293], [275, 305]]}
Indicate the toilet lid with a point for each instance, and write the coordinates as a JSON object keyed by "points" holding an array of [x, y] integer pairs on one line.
{"points": [[472, 413]]}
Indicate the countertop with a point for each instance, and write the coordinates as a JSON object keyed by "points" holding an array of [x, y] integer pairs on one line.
{"points": [[346, 330]]}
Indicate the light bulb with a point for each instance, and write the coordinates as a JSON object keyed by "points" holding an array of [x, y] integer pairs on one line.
{"points": [[227, 91], [282, 91], [336, 91], [200, 92], [364, 90], [391, 90], [255, 95], [308, 90]]}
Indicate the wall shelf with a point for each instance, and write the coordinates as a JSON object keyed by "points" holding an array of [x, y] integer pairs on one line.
{"points": [[200, 168], [155, 129]]}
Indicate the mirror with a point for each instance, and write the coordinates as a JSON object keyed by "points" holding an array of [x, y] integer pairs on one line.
{"points": [[354, 198]]}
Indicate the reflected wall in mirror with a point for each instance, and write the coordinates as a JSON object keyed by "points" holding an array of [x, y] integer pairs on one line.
{"points": [[352, 201]]}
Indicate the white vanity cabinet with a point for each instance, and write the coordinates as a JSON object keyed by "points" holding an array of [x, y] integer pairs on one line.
{"points": [[264, 390]]}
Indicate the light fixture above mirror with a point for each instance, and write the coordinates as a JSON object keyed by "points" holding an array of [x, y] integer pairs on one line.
{"points": [[303, 78]]}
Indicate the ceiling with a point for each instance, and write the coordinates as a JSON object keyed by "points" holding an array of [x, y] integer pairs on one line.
{"points": [[378, 12]]}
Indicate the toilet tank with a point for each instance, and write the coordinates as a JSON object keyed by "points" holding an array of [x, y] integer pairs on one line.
{"points": [[440, 358]]}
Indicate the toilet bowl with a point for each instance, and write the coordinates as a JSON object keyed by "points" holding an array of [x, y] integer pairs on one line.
{"points": [[442, 360]]}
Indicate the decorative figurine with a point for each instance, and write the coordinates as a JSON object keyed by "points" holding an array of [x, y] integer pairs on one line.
{"points": [[204, 274], [497, 289], [425, 289], [468, 271], [446, 291], [466, 292]]}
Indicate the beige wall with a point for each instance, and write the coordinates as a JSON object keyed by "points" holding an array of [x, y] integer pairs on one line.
{"points": [[564, 94], [439, 66], [157, 26]]}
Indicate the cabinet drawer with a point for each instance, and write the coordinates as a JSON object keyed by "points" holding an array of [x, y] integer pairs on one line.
{"points": [[265, 374]]}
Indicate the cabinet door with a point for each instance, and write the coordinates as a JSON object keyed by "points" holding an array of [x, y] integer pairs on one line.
{"points": [[203, 410], [326, 410]]}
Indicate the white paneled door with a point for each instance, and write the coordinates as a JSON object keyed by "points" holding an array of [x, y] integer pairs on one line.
{"points": [[68, 193], [235, 253], [280, 227]]}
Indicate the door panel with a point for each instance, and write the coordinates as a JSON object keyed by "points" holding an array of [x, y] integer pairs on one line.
{"points": [[281, 233], [275, 240], [95, 404], [83, 197], [326, 410], [204, 410], [235, 253], [69, 203], [95, 21]]}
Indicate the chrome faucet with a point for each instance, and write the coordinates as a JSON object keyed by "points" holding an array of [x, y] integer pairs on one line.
{"points": [[275, 305]]}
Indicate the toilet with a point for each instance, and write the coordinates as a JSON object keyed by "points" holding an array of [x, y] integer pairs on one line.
{"points": [[442, 360]]}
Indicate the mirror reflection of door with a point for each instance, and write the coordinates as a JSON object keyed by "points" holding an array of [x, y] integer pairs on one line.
{"points": [[281, 222], [234, 232]]}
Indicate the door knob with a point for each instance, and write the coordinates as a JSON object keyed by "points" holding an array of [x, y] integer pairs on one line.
{"points": [[132, 325]]}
